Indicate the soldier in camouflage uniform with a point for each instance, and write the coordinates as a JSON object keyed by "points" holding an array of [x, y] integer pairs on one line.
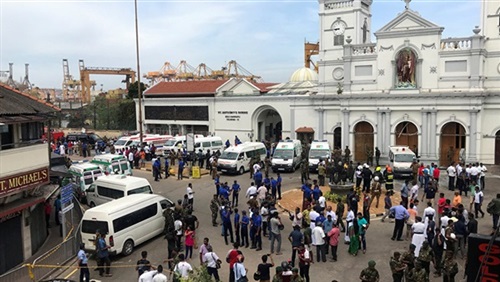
{"points": [[450, 268], [214, 208], [304, 170], [408, 258], [417, 274], [170, 232], [397, 267], [425, 256], [369, 274]]}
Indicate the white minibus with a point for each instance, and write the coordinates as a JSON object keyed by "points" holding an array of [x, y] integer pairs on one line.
{"points": [[84, 174], [236, 159], [212, 143], [111, 187], [128, 222], [287, 155], [319, 150]]}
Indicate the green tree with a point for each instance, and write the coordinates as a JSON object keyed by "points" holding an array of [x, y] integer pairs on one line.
{"points": [[133, 90]]}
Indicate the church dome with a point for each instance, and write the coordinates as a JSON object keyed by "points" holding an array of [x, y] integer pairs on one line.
{"points": [[304, 74]]}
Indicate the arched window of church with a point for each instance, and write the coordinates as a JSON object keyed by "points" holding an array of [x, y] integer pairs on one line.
{"points": [[406, 61]]}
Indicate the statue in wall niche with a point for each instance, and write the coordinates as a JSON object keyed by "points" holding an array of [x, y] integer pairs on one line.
{"points": [[405, 63]]}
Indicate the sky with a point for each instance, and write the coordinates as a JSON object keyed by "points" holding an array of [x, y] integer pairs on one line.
{"points": [[266, 37]]}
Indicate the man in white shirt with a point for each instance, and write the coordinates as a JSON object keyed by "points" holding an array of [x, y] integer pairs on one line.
{"points": [[251, 191], [482, 173], [239, 269], [256, 167], [62, 150], [190, 193], [160, 277], [322, 202], [147, 276], [478, 202], [330, 212], [318, 240], [183, 268], [210, 259], [429, 212], [418, 234], [262, 191], [452, 173], [312, 216], [349, 219], [414, 191]]}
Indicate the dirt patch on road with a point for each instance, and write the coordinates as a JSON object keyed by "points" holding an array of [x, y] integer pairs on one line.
{"points": [[293, 198]]}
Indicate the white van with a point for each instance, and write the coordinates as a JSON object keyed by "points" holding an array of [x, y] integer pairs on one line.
{"points": [[111, 187], [287, 155], [128, 222], [120, 143], [176, 142], [113, 164], [84, 174], [401, 158], [237, 158], [319, 150], [212, 143]]}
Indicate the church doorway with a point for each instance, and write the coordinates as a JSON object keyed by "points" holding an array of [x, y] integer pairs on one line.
{"points": [[363, 141], [452, 143], [337, 138], [497, 148], [407, 135], [269, 125]]}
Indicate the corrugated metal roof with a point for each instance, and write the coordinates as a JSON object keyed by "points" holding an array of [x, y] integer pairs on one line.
{"points": [[14, 102]]}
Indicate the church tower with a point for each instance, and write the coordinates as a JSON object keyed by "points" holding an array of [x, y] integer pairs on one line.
{"points": [[341, 22], [340, 19], [490, 23]]}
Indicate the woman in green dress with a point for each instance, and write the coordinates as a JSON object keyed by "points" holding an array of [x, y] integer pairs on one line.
{"points": [[353, 230]]}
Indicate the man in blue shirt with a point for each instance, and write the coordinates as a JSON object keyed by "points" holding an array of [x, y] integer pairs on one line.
{"points": [[279, 180], [83, 263], [223, 192], [267, 181], [236, 221], [181, 168], [103, 254], [307, 192], [316, 191], [255, 231], [167, 173], [400, 215], [257, 177], [274, 186], [226, 222], [236, 192], [244, 228]]}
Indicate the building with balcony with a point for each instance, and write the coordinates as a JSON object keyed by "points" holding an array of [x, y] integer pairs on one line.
{"points": [[24, 169], [440, 96]]}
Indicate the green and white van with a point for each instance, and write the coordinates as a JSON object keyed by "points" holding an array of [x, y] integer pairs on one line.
{"points": [[84, 175], [113, 164]]}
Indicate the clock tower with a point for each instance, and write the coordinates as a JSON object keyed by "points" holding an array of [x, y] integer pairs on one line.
{"points": [[340, 19]]}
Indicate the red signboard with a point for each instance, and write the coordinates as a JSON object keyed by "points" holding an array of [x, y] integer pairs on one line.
{"points": [[483, 259], [23, 181]]}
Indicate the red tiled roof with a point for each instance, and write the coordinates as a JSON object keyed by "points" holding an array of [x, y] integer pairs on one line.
{"points": [[185, 88]]}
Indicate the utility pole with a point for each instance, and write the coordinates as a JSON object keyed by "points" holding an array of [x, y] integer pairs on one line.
{"points": [[138, 72]]}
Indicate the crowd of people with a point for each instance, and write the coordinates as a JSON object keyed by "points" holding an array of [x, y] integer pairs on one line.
{"points": [[436, 236]]}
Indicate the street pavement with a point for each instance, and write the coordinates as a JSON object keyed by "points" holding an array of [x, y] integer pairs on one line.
{"points": [[379, 245]]}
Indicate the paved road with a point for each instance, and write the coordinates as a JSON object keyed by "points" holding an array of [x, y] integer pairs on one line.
{"points": [[347, 268]]}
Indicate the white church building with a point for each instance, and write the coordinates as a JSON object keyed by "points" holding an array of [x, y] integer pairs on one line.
{"points": [[410, 87]]}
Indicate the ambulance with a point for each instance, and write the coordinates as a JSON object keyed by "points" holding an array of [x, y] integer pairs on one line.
{"points": [[401, 158], [320, 150], [287, 155]]}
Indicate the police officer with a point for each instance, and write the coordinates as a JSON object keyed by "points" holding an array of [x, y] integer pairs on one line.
{"points": [[369, 274]]}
